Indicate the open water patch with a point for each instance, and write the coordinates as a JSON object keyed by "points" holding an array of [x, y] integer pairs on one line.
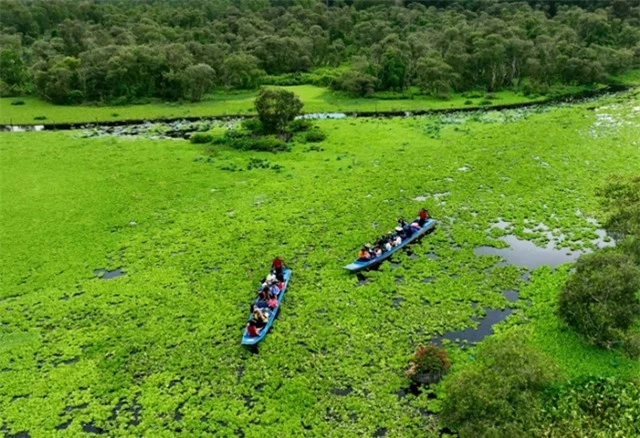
{"points": [[322, 116], [528, 254], [475, 335], [103, 274], [343, 392], [511, 295]]}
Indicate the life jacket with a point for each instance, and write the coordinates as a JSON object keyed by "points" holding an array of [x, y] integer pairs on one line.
{"points": [[252, 331]]}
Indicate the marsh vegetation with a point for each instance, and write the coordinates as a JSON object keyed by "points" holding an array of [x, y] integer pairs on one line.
{"points": [[130, 252], [84, 349]]}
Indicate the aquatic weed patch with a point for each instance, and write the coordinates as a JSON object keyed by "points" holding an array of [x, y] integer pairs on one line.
{"points": [[159, 347]]}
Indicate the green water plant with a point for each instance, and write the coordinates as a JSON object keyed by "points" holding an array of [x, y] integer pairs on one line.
{"points": [[593, 406]]}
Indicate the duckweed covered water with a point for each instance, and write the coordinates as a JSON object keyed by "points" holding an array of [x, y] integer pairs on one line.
{"points": [[158, 349]]}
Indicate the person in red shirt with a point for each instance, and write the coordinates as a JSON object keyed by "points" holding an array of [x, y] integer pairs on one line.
{"points": [[277, 267], [423, 216], [252, 329]]}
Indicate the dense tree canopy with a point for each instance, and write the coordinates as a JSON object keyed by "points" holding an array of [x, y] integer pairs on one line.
{"points": [[276, 108], [600, 300], [117, 49], [500, 395]]}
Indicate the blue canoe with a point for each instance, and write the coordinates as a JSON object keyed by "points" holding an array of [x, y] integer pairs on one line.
{"points": [[360, 265], [249, 340]]}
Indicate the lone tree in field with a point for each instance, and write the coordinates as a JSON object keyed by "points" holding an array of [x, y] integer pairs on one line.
{"points": [[600, 300], [276, 109], [197, 80]]}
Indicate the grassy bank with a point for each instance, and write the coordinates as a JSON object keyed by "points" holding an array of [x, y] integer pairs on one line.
{"points": [[316, 99], [157, 351]]}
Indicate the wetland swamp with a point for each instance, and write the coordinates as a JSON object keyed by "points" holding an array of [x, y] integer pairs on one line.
{"points": [[128, 264]]}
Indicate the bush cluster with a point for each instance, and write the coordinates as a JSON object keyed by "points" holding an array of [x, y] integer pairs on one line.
{"points": [[501, 393], [316, 135], [245, 141], [201, 138], [600, 299], [592, 407], [428, 365]]}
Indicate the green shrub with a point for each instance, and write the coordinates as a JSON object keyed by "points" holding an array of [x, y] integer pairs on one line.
{"points": [[75, 97], [300, 125], [201, 138], [500, 394], [620, 197], [120, 101], [594, 407], [490, 96], [534, 88], [237, 134], [253, 125], [321, 78], [485, 102], [315, 136], [17, 102], [258, 163], [468, 102], [631, 345], [428, 365], [355, 83], [267, 143], [40, 118], [600, 299]]}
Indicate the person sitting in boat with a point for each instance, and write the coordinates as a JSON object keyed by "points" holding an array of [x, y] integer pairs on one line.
{"points": [[364, 255], [260, 316], [252, 329], [274, 289], [264, 293], [387, 245], [423, 215], [277, 266], [400, 232], [271, 277], [273, 302], [377, 252], [415, 226], [408, 230], [401, 222]]}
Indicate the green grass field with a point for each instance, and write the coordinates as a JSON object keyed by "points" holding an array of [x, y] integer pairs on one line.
{"points": [[316, 99], [157, 352]]}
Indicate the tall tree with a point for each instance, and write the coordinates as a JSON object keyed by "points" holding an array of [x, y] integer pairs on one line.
{"points": [[197, 80], [276, 108]]}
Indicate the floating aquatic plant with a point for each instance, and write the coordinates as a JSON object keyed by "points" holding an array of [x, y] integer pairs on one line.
{"points": [[158, 348]]}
